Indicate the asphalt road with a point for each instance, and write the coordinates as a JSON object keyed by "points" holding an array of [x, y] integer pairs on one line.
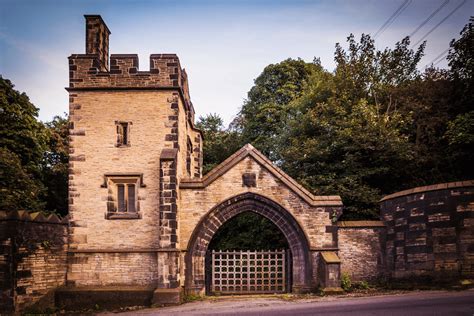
{"points": [[417, 303]]}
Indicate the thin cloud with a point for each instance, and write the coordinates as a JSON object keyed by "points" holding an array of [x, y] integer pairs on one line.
{"points": [[34, 51]]}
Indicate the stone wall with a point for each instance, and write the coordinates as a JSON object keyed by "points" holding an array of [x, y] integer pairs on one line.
{"points": [[112, 268], [430, 231], [32, 259], [362, 249]]}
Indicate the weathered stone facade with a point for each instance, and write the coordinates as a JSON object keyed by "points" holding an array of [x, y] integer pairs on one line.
{"points": [[140, 212], [33, 251], [362, 249], [430, 231]]}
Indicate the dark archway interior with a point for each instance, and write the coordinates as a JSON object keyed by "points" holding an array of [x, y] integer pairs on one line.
{"points": [[299, 264], [248, 231]]}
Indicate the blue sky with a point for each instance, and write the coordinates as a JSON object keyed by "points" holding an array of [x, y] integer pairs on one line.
{"points": [[224, 45]]}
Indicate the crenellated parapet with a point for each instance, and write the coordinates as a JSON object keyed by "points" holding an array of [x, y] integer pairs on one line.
{"points": [[165, 73], [96, 70]]}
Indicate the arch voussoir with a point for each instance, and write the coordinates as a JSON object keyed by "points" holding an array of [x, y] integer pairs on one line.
{"points": [[216, 217]]}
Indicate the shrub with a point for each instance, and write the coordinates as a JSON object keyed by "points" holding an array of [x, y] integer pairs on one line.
{"points": [[346, 282], [362, 285]]}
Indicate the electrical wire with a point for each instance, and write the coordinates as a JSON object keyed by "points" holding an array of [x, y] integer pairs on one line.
{"points": [[441, 22], [429, 18], [435, 61], [392, 18], [440, 60]]}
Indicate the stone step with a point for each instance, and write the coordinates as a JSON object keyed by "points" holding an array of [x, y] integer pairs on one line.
{"points": [[107, 297]]}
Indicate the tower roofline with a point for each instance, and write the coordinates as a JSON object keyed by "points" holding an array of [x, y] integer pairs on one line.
{"points": [[98, 16]]}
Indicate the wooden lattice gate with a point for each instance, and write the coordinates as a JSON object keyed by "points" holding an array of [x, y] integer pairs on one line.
{"points": [[249, 272]]}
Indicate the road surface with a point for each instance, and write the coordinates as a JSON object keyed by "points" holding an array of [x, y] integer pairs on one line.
{"points": [[414, 303]]}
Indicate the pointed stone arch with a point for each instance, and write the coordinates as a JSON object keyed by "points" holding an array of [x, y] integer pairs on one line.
{"points": [[217, 216]]}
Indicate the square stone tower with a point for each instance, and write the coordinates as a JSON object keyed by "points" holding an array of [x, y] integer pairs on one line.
{"points": [[132, 138]]}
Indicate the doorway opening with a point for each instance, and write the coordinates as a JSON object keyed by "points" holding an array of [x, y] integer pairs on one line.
{"points": [[248, 255]]}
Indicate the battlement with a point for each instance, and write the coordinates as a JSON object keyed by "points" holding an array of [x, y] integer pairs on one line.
{"points": [[93, 71]]}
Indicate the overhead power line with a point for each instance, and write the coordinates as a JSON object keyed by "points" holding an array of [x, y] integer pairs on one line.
{"points": [[392, 18], [440, 22], [438, 58], [429, 18]]}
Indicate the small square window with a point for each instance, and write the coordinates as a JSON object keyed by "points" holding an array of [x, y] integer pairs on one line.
{"points": [[123, 133]]}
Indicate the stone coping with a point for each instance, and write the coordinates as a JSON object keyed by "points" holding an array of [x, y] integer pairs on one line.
{"points": [[36, 217], [249, 150], [360, 224], [433, 187], [330, 257]]}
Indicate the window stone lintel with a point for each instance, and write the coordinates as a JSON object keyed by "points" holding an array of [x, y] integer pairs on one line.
{"points": [[123, 175]]}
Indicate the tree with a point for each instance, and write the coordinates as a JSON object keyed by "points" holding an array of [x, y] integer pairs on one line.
{"points": [[346, 136], [55, 165], [219, 143], [364, 72], [23, 142], [461, 61], [356, 153], [18, 189], [264, 113]]}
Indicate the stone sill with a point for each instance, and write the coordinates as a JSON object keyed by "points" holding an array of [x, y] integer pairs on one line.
{"points": [[123, 216]]}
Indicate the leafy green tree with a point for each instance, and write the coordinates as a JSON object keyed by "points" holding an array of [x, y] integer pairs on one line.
{"points": [[55, 166], [264, 113], [219, 143], [363, 72], [20, 130], [460, 137], [426, 106], [356, 153], [23, 141], [346, 136], [18, 189], [461, 61]]}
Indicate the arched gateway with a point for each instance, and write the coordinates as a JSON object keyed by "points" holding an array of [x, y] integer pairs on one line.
{"points": [[248, 202], [142, 214]]}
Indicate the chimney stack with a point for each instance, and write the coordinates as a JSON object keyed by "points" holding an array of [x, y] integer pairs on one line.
{"points": [[97, 40]]}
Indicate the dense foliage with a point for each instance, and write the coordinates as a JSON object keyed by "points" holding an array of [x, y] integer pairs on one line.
{"points": [[33, 156], [55, 165], [218, 142], [373, 126], [248, 231]]}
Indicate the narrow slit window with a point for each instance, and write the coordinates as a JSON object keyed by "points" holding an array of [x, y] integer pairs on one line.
{"points": [[123, 133]]}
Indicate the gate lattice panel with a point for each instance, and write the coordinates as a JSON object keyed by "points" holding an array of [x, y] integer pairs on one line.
{"points": [[246, 272]]}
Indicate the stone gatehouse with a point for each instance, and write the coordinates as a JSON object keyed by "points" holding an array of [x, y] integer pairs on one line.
{"points": [[141, 213]]}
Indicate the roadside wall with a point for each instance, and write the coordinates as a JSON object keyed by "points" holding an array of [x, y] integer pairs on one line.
{"points": [[362, 249], [430, 231], [32, 259]]}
